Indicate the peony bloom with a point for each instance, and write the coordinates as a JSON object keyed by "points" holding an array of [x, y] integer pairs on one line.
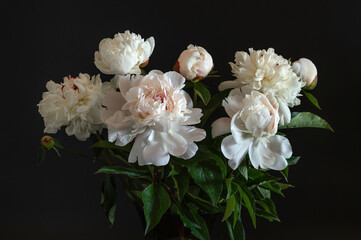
{"points": [[194, 62], [156, 112], [123, 54], [268, 73], [307, 71], [253, 123], [76, 104]]}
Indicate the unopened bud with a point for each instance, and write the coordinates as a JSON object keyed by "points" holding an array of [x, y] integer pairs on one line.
{"points": [[47, 142], [307, 71], [194, 62]]}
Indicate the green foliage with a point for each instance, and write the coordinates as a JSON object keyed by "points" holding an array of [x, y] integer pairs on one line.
{"points": [[156, 202], [312, 99], [109, 197], [306, 119], [208, 177], [133, 173], [202, 91]]}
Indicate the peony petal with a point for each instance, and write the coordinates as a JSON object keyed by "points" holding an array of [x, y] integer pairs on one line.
{"points": [[138, 146], [175, 143], [176, 79], [113, 101], [221, 126], [284, 113], [192, 134], [156, 154], [194, 116], [280, 163], [280, 145], [151, 42], [233, 151], [229, 84], [191, 151]]}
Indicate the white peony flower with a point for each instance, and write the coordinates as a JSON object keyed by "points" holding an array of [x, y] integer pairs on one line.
{"points": [[156, 112], [194, 62], [253, 123], [269, 73], [307, 71], [123, 54], [76, 104]]}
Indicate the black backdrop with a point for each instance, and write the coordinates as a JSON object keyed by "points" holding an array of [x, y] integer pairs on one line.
{"points": [[47, 40]]}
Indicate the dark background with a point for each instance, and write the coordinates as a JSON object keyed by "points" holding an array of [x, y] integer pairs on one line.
{"points": [[46, 40]]}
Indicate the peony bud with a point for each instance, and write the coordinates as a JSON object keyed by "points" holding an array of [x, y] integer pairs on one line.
{"points": [[47, 142], [307, 71], [194, 62]]}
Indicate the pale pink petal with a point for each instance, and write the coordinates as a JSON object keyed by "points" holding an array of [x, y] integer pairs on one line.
{"points": [[221, 126], [176, 79]]}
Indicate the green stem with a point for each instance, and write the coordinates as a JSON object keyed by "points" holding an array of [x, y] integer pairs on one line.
{"points": [[194, 97], [81, 154]]}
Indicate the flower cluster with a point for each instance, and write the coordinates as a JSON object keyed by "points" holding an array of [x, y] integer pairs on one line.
{"points": [[170, 155]]}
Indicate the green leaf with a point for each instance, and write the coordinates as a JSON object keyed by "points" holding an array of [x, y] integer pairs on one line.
{"points": [[57, 151], [41, 155], [202, 203], [156, 202], [124, 171], [209, 177], [237, 208], [243, 169], [109, 197], [58, 143], [306, 119], [236, 232], [312, 99], [284, 173], [107, 144], [293, 160], [272, 186], [202, 232], [232, 187], [217, 156], [230, 204], [188, 220], [214, 103], [267, 215], [264, 192], [176, 169], [202, 92], [249, 201], [181, 182]]}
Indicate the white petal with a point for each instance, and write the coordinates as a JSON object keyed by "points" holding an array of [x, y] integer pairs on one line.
{"points": [[192, 134], [176, 79], [280, 163], [138, 146], [152, 44], [113, 101], [221, 126], [284, 113], [156, 153], [194, 116], [280, 145], [191, 151], [175, 143], [233, 151], [229, 84]]}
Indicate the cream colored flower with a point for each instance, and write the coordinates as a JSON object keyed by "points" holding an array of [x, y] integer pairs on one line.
{"points": [[76, 104], [156, 112], [253, 123], [123, 54], [194, 62], [269, 73], [307, 71]]}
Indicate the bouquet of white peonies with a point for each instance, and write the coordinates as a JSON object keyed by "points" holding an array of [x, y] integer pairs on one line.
{"points": [[181, 170]]}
